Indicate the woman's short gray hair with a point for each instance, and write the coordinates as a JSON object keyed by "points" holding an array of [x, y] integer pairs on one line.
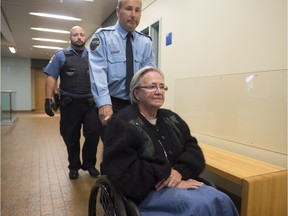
{"points": [[119, 3], [136, 80]]}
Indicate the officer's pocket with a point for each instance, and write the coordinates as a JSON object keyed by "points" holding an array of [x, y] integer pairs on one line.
{"points": [[138, 62], [117, 64], [65, 101]]}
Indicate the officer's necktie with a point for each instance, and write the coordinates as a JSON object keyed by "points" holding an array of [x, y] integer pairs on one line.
{"points": [[129, 61]]}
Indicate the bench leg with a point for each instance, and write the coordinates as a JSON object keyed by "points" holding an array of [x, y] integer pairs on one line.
{"points": [[265, 195]]}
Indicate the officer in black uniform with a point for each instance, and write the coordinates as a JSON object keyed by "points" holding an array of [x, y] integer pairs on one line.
{"points": [[76, 103]]}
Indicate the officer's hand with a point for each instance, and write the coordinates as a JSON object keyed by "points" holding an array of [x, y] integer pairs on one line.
{"points": [[105, 113], [49, 105]]}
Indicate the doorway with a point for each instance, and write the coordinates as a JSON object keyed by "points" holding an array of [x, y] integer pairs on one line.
{"points": [[39, 89]]}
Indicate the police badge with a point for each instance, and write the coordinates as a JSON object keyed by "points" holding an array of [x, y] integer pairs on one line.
{"points": [[94, 44]]}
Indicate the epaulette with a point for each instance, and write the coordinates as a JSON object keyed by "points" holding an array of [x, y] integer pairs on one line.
{"points": [[109, 28], [68, 52], [57, 51], [144, 34]]}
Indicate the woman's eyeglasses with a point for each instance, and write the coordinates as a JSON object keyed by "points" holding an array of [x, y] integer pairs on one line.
{"points": [[154, 87]]}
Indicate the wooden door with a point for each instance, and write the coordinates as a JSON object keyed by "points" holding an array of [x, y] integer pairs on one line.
{"points": [[39, 90]]}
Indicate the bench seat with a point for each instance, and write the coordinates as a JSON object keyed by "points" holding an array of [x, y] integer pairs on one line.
{"points": [[263, 185]]}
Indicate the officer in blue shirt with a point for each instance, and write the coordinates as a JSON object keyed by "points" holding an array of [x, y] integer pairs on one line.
{"points": [[77, 106], [107, 59]]}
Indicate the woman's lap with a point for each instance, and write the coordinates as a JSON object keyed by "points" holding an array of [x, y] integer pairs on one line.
{"points": [[204, 201]]}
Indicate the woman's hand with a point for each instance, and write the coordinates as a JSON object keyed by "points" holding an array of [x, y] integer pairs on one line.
{"points": [[175, 180], [190, 184], [172, 181]]}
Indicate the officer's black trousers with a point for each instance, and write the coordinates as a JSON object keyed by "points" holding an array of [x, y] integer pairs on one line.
{"points": [[74, 115]]}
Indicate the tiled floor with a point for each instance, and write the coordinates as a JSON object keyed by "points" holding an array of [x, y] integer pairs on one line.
{"points": [[34, 173]]}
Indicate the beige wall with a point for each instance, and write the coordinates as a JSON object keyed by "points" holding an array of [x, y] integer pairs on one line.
{"points": [[228, 39]]}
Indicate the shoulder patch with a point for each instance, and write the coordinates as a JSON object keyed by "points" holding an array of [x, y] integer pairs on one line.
{"points": [[94, 44], [52, 59], [57, 53]]}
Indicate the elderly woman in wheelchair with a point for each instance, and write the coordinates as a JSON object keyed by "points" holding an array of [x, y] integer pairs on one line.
{"points": [[151, 157]]}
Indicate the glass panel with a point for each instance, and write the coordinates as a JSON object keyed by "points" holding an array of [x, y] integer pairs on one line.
{"points": [[246, 108], [8, 100]]}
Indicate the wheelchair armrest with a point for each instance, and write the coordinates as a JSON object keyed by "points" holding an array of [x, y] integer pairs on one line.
{"points": [[206, 182]]}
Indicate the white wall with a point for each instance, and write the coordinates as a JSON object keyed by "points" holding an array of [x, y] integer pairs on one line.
{"points": [[209, 38], [227, 38], [16, 76]]}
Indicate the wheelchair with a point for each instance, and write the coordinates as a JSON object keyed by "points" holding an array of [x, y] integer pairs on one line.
{"points": [[106, 200]]}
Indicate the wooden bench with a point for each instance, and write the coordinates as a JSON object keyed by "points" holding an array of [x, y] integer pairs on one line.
{"points": [[263, 185]]}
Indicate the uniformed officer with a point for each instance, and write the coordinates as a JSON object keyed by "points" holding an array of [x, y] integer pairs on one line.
{"points": [[77, 107], [107, 59]]}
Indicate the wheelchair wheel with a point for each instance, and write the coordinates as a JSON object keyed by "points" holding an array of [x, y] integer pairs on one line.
{"points": [[105, 200]]}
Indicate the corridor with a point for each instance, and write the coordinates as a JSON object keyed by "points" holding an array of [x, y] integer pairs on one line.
{"points": [[34, 173]]}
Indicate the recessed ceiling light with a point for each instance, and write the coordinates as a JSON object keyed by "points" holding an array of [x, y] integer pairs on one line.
{"points": [[50, 30], [50, 40], [12, 49], [47, 47], [54, 16]]}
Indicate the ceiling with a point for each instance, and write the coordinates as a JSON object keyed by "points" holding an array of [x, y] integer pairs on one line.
{"points": [[16, 23]]}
